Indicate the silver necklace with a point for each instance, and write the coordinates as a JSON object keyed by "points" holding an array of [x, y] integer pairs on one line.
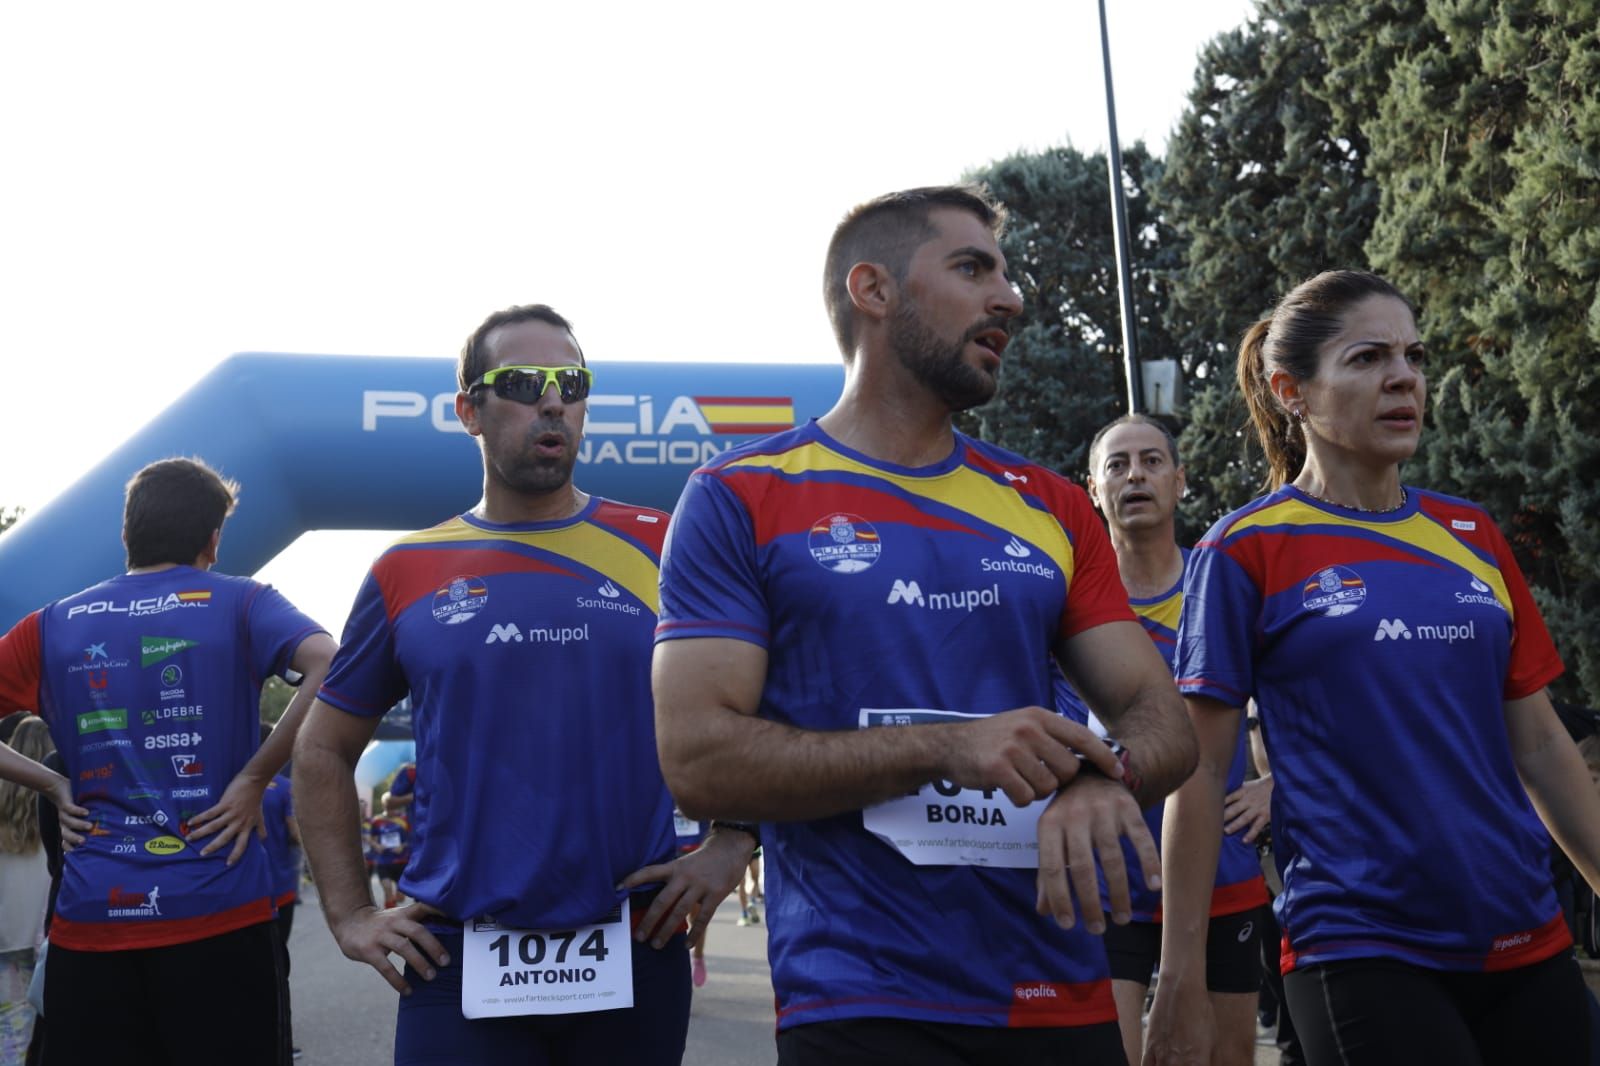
{"points": [[1363, 510]]}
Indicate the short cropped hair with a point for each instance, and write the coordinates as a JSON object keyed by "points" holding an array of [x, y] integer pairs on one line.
{"points": [[474, 361], [888, 230], [171, 509], [1135, 418]]}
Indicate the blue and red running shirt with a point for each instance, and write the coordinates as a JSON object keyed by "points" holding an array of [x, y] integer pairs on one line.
{"points": [[526, 651], [1380, 649], [391, 840], [151, 685], [873, 586], [405, 781], [277, 807], [1239, 884]]}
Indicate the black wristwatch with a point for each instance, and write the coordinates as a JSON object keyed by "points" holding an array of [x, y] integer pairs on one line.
{"points": [[1120, 750], [741, 827]]}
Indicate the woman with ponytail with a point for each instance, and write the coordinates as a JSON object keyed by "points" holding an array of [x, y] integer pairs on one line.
{"points": [[1399, 665]]}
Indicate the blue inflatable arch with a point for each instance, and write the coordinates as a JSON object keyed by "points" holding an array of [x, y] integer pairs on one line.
{"points": [[363, 442]]}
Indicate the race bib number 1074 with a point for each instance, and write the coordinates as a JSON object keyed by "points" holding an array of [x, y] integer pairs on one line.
{"points": [[546, 971]]}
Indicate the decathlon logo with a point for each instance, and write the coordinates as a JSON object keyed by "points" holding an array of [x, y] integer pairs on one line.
{"points": [[906, 592], [910, 594], [609, 591], [1392, 629], [1017, 550], [504, 634]]}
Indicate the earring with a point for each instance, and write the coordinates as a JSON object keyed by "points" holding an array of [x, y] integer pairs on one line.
{"points": [[1298, 414]]}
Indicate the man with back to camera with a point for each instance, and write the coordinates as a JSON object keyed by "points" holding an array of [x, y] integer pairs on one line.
{"points": [[1136, 480], [151, 683], [866, 608], [522, 630]]}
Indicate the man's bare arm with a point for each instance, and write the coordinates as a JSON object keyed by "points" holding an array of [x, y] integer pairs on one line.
{"points": [[1117, 669], [238, 810], [721, 761], [325, 756]]}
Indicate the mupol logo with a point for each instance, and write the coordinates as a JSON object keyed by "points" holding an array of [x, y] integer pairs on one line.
{"points": [[911, 594], [1017, 550], [509, 633], [905, 592], [1396, 630], [504, 634], [1391, 630]]}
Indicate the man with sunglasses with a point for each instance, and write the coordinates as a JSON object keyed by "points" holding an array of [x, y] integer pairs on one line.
{"points": [[857, 622], [543, 832]]}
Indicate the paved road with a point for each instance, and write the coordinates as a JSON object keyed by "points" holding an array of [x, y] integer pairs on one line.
{"points": [[344, 1013]]}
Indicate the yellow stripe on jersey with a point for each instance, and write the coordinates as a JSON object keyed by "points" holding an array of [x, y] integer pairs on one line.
{"points": [[962, 489], [1416, 532], [750, 413], [612, 556], [1164, 612]]}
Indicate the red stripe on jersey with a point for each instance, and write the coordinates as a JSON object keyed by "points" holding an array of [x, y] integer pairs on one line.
{"points": [[795, 507], [1233, 899], [1041, 1004], [1239, 897], [20, 658], [158, 933], [1516, 950], [1296, 556], [633, 523], [408, 575]]}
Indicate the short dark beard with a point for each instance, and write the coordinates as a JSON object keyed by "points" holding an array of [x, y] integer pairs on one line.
{"points": [[533, 476], [938, 366]]}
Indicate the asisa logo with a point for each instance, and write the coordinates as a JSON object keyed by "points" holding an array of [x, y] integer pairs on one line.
{"points": [[1333, 591], [844, 543], [460, 599]]}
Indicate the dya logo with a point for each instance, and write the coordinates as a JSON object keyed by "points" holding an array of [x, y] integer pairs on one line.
{"points": [[610, 591], [504, 634], [907, 592], [1017, 550], [1392, 629]]}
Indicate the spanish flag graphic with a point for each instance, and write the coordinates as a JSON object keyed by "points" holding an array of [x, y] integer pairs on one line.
{"points": [[747, 414]]}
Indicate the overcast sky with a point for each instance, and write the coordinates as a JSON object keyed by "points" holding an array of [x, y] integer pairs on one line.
{"points": [[188, 180]]}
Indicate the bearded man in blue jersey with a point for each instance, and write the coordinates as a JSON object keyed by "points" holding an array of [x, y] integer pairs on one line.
{"points": [[151, 684], [857, 626], [543, 833]]}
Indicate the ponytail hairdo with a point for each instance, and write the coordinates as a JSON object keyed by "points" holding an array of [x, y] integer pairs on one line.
{"points": [[1291, 339]]}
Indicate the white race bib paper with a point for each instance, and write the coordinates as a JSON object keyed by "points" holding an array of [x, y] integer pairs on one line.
{"points": [[942, 825], [546, 971]]}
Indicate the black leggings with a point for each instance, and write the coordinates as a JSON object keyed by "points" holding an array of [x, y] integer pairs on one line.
{"points": [[1378, 1012]]}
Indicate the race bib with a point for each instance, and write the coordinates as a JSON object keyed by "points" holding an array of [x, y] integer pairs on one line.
{"points": [[684, 827], [547, 971], [389, 841], [942, 825]]}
